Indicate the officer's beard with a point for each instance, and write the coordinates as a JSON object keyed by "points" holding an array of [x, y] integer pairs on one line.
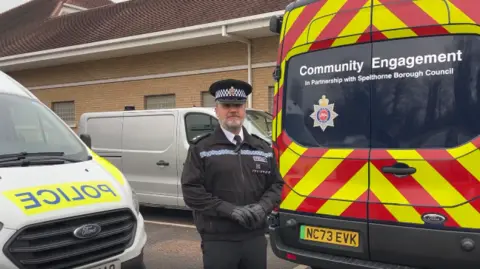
{"points": [[232, 125]]}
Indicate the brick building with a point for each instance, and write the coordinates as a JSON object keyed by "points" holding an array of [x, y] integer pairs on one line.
{"points": [[82, 56]]}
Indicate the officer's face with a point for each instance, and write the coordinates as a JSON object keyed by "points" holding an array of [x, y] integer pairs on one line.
{"points": [[231, 116]]}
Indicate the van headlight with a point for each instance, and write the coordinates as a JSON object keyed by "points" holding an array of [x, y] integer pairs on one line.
{"points": [[136, 205]]}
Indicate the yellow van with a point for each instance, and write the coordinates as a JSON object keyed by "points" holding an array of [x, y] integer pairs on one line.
{"points": [[376, 129]]}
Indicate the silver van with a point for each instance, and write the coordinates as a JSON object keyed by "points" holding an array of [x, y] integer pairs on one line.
{"points": [[150, 146]]}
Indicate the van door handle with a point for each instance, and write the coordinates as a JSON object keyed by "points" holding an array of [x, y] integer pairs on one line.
{"points": [[399, 170], [162, 163]]}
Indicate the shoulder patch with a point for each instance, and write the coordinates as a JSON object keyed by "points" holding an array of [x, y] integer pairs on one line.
{"points": [[197, 138], [261, 139]]}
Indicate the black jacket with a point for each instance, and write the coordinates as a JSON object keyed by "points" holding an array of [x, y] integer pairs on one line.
{"points": [[215, 178]]}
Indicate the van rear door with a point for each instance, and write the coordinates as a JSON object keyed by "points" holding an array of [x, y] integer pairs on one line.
{"points": [[326, 133], [425, 173]]}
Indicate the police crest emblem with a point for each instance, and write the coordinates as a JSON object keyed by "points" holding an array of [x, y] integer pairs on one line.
{"points": [[231, 91], [323, 114]]}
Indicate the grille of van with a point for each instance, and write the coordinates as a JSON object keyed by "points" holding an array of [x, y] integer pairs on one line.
{"points": [[52, 245]]}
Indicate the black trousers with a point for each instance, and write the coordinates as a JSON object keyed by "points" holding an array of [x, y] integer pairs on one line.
{"points": [[247, 254]]}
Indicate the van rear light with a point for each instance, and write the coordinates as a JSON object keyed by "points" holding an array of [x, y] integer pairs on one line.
{"points": [[275, 209], [291, 257]]}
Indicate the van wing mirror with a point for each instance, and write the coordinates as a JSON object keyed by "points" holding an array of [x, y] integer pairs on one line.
{"points": [[276, 24], [87, 139]]}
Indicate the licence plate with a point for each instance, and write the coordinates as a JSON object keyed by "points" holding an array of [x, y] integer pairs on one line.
{"points": [[110, 265], [330, 236]]}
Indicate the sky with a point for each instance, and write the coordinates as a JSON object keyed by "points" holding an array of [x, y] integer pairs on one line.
{"points": [[9, 4]]}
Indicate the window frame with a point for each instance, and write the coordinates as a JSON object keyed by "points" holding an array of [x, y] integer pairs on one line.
{"points": [[145, 100], [201, 98], [74, 123]]}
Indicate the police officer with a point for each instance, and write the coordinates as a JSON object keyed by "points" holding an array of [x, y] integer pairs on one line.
{"points": [[231, 182]]}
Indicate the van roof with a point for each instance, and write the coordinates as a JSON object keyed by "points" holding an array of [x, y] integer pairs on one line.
{"points": [[186, 109], [10, 86]]}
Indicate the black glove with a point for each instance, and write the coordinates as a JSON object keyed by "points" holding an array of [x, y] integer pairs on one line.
{"points": [[243, 216], [258, 213]]}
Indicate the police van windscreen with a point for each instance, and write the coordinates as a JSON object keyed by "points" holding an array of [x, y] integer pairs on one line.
{"points": [[409, 93], [28, 126]]}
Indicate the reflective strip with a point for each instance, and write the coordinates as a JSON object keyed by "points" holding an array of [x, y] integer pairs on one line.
{"points": [[109, 167], [359, 24], [383, 19], [314, 177], [471, 163], [351, 191], [222, 152], [387, 193], [438, 11], [442, 191]]}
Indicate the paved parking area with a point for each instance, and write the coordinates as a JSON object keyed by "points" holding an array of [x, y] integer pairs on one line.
{"points": [[174, 243]]}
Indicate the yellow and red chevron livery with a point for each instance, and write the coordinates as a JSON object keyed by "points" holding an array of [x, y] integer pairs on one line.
{"points": [[336, 187]]}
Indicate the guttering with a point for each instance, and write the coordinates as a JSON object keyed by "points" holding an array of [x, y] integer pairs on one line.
{"points": [[134, 42], [248, 42]]}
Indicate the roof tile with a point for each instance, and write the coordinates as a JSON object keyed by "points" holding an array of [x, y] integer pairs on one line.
{"points": [[129, 18]]}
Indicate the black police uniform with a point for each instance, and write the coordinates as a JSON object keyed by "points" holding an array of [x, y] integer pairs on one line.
{"points": [[231, 188]]}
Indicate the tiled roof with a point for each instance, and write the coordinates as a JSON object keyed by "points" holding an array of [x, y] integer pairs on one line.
{"points": [[90, 3], [129, 18], [23, 16]]}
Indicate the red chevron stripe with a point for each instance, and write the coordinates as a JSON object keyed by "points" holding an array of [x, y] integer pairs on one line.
{"points": [[476, 204], [358, 209], [469, 7], [454, 172], [435, 154], [283, 142], [476, 142], [277, 100], [365, 37], [376, 35], [413, 16], [340, 20], [336, 180], [303, 20], [378, 211]]}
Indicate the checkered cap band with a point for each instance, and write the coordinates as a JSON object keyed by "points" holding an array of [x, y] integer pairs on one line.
{"points": [[238, 93]]}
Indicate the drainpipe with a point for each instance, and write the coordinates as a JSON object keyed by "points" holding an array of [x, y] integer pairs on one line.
{"points": [[248, 42]]}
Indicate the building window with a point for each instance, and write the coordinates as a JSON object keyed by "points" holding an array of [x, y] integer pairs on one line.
{"points": [[207, 100], [271, 93], [160, 101], [66, 111]]}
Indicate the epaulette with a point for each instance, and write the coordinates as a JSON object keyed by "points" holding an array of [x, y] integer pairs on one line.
{"points": [[197, 138], [261, 139]]}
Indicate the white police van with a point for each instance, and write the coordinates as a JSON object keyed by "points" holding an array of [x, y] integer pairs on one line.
{"points": [[62, 206]]}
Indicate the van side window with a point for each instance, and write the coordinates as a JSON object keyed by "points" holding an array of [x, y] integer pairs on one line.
{"points": [[199, 123]]}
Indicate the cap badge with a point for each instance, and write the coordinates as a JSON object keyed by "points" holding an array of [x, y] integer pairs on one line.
{"points": [[323, 114], [231, 91]]}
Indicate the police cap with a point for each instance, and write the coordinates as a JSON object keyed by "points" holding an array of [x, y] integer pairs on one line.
{"points": [[230, 91]]}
